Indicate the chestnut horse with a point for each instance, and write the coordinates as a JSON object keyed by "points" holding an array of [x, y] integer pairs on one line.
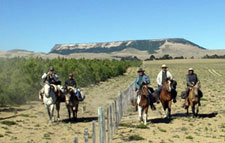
{"points": [[194, 99], [166, 98], [143, 103]]}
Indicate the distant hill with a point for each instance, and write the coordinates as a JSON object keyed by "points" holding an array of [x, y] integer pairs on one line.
{"points": [[151, 46], [142, 49]]}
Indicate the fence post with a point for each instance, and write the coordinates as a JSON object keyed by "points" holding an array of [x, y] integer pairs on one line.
{"points": [[101, 122], [113, 118], [108, 126], [86, 135], [111, 124], [76, 140], [121, 104], [93, 132], [116, 116]]}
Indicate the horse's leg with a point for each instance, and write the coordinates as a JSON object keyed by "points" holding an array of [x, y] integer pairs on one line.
{"points": [[193, 110], [169, 109], [74, 113], [49, 114], [145, 115], [77, 106], [197, 109], [69, 113], [52, 112], [58, 108], [140, 113], [187, 110]]}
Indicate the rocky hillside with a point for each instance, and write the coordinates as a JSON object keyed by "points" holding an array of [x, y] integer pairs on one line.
{"points": [[150, 46]]}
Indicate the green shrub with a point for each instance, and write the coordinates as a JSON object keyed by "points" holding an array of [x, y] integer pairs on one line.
{"points": [[8, 122], [20, 78]]}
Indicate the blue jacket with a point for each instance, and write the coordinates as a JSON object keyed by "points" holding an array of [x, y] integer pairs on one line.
{"points": [[145, 79]]}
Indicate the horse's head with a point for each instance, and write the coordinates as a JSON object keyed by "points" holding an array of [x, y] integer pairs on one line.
{"points": [[69, 91], [47, 90], [144, 90], [195, 89], [168, 85]]}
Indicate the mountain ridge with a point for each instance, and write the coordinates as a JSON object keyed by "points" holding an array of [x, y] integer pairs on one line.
{"points": [[108, 47]]}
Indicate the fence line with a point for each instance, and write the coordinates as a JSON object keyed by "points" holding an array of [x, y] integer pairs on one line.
{"points": [[114, 114]]}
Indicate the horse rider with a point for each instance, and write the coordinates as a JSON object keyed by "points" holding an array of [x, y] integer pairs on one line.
{"points": [[71, 82], [192, 80], [143, 79], [50, 78], [161, 79]]}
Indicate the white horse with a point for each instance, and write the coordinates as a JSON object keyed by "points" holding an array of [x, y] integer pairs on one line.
{"points": [[49, 99]]}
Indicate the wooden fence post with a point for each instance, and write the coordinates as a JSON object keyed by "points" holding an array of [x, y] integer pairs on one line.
{"points": [[86, 135], [108, 126], [111, 124], [121, 104], [76, 140], [113, 118], [101, 122], [93, 132]]}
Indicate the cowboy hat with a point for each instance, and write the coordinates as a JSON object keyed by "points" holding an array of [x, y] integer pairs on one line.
{"points": [[190, 69], [141, 70], [164, 66]]}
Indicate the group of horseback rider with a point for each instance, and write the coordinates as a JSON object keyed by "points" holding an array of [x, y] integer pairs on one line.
{"points": [[164, 74], [52, 78]]}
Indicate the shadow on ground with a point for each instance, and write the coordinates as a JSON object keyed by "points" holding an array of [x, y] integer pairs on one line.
{"points": [[160, 120], [80, 120], [10, 109], [206, 115]]}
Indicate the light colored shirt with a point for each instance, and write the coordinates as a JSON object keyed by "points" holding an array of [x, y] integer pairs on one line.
{"points": [[159, 77]]}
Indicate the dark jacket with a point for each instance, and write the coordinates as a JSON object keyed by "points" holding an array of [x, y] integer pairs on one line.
{"points": [[71, 82], [191, 79]]}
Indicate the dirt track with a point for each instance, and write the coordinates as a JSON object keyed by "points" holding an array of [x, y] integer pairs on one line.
{"points": [[32, 121]]}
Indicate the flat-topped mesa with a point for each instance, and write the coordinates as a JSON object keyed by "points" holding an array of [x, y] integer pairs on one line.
{"points": [[151, 46]]}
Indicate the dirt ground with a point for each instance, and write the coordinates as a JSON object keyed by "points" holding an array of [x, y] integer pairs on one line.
{"points": [[31, 125]]}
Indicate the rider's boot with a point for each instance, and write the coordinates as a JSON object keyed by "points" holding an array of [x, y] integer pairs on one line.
{"points": [[80, 97], [157, 97], [174, 100], [151, 104]]}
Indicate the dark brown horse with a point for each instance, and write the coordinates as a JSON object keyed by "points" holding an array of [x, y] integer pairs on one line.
{"points": [[143, 103], [166, 98], [194, 100], [72, 102]]}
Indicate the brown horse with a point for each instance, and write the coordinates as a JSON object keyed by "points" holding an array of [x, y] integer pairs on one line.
{"points": [[166, 98], [194, 100], [72, 102], [143, 103]]}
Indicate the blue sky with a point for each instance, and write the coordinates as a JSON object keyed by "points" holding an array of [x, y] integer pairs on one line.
{"points": [[38, 25]]}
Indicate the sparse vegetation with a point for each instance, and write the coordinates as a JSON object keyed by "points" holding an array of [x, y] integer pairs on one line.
{"points": [[8, 122], [20, 78], [135, 138], [161, 130], [189, 137]]}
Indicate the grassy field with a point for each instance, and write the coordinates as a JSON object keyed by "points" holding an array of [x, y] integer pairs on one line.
{"points": [[209, 127], [29, 123]]}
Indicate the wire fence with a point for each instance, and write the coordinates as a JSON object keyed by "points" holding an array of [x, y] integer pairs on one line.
{"points": [[114, 112]]}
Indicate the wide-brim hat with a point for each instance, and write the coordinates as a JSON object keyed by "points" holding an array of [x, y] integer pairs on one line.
{"points": [[164, 66], [190, 69], [141, 70]]}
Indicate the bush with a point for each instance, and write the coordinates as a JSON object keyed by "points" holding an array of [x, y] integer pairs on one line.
{"points": [[20, 78]]}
